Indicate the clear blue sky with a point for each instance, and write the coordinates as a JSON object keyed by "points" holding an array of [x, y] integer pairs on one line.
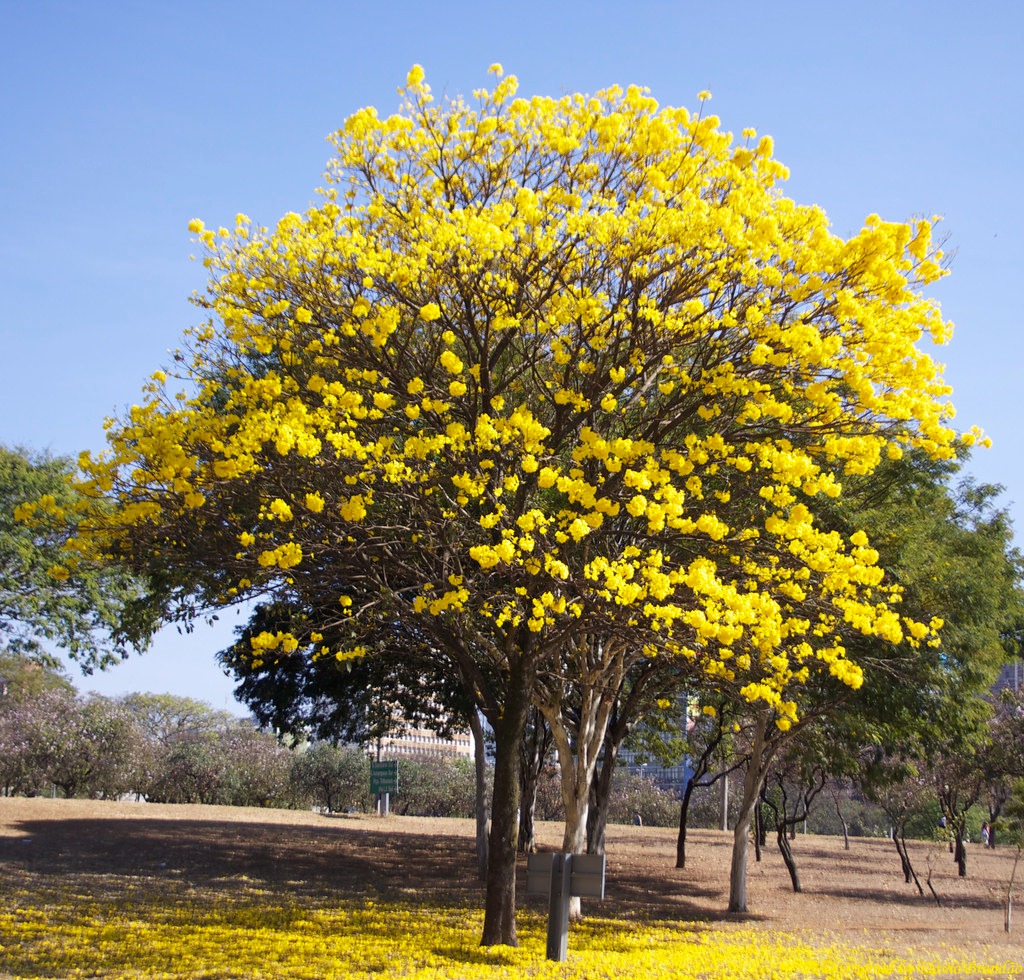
{"points": [[120, 121]]}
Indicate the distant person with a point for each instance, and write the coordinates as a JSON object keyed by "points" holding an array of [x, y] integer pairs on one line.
{"points": [[984, 835]]}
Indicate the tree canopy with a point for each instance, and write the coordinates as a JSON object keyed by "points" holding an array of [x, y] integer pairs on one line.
{"points": [[93, 611], [564, 381]]}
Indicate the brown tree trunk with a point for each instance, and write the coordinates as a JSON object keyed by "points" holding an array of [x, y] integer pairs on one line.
{"points": [[908, 869], [684, 812], [758, 835], [509, 730], [597, 818], [842, 820], [725, 802], [960, 852], [533, 751], [787, 857]]}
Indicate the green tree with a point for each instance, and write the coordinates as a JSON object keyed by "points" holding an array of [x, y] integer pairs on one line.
{"points": [[93, 612], [83, 746], [334, 777], [23, 678]]}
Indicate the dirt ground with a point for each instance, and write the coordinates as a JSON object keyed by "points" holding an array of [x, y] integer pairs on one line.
{"points": [[847, 894]]}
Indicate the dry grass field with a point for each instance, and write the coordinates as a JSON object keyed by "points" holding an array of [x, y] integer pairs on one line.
{"points": [[102, 851]]}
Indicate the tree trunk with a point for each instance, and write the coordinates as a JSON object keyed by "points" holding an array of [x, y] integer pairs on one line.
{"points": [[600, 800], [842, 820], [480, 764], [725, 802], [527, 842], [684, 811], [1009, 892], [960, 852], [787, 857], [509, 730], [758, 832], [535, 751], [578, 746], [752, 780], [908, 869], [904, 862], [740, 838]]}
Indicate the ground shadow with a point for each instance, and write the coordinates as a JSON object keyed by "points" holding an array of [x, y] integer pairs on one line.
{"points": [[353, 861], [337, 858]]}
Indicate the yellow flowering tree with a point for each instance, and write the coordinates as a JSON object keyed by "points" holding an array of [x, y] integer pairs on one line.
{"points": [[561, 380]]}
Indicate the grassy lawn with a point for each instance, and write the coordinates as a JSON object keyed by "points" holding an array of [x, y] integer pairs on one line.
{"points": [[111, 890]]}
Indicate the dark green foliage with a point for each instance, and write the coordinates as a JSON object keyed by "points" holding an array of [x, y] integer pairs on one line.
{"points": [[332, 777], [397, 685], [435, 786]]}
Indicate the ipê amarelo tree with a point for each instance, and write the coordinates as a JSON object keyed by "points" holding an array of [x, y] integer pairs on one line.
{"points": [[546, 375]]}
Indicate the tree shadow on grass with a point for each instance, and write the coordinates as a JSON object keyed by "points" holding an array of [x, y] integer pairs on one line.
{"points": [[307, 859], [337, 859]]}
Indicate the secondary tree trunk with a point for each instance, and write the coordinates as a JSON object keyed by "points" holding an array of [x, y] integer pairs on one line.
{"points": [[725, 802], [960, 852], [909, 873], [509, 729], [600, 799], [480, 764], [842, 820], [536, 746], [760, 757], [758, 831], [785, 849], [684, 811], [1009, 892], [787, 857], [578, 743]]}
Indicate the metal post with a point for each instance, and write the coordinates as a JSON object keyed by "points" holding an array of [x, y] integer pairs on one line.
{"points": [[558, 907]]}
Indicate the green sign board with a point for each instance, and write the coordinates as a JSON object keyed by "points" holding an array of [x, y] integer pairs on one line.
{"points": [[384, 776]]}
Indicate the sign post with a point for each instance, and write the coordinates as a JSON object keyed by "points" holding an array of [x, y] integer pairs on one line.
{"points": [[384, 782], [561, 877]]}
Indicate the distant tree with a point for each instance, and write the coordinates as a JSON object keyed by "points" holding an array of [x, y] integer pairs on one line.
{"points": [[795, 780], [182, 759], [83, 746], [1002, 758], [190, 771], [167, 718], [333, 777], [903, 791], [257, 769], [636, 799], [23, 678], [435, 786], [96, 613], [19, 774]]}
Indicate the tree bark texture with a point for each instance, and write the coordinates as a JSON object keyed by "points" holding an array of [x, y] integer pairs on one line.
{"points": [[509, 729], [752, 782]]}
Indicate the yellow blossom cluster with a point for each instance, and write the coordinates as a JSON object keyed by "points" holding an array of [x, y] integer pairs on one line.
{"points": [[534, 366]]}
